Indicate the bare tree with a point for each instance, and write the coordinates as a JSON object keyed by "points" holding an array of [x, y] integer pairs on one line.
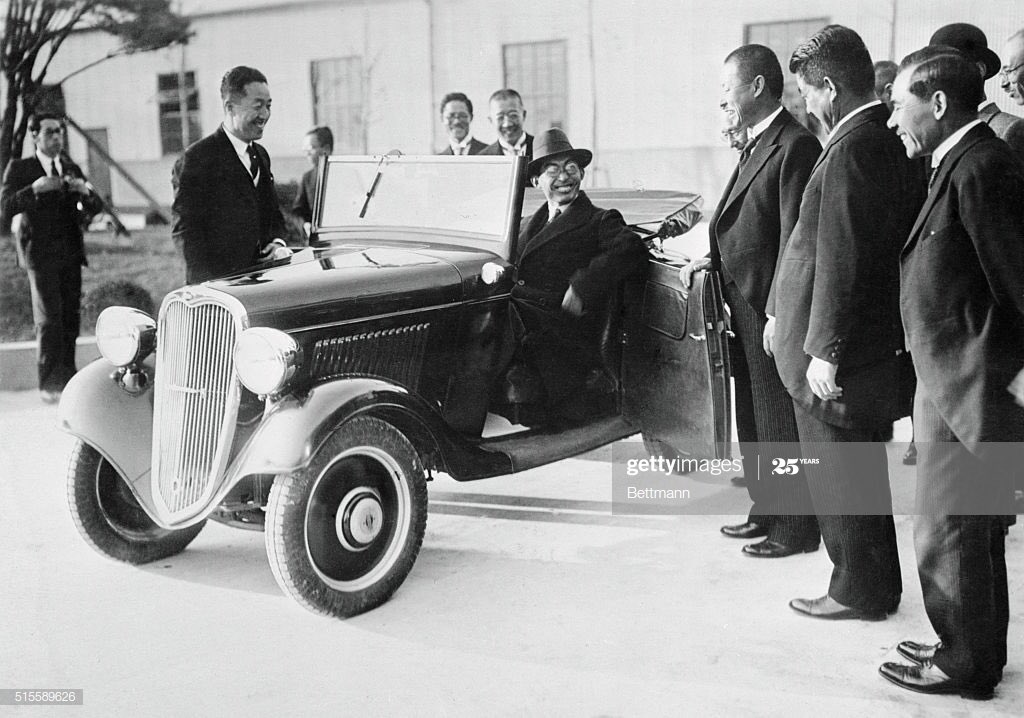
{"points": [[35, 30]]}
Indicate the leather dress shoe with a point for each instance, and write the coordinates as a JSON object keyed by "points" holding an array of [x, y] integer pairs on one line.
{"points": [[931, 679], [830, 609], [919, 653], [910, 458], [774, 549], [747, 530]]}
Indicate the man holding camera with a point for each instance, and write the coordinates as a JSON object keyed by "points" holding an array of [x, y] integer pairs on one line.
{"points": [[49, 194]]}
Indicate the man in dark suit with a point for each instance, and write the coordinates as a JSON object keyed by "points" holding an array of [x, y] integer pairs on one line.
{"points": [[748, 231], [971, 41], [457, 115], [317, 143], [569, 260], [962, 302], [49, 193], [226, 215], [507, 116], [836, 336]]}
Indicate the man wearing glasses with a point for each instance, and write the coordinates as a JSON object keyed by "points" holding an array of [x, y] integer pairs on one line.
{"points": [[457, 114], [1011, 76], [570, 259], [507, 116]]}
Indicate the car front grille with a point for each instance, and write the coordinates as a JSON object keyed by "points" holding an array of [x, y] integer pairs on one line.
{"points": [[196, 397]]}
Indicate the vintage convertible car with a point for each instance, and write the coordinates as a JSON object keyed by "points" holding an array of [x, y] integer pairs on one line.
{"points": [[313, 397]]}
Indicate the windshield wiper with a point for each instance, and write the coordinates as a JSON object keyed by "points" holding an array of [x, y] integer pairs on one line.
{"points": [[373, 186]]}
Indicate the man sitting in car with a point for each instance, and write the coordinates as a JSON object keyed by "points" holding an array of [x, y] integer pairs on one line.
{"points": [[570, 258]]}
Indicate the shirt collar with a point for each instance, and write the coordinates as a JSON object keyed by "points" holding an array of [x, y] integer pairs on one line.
{"points": [[45, 161], [517, 148], [761, 126], [863, 107], [241, 148], [466, 142], [950, 142], [561, 208]]}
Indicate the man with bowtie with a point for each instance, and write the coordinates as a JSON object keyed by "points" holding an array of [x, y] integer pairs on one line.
{"points": [[226, 214]]}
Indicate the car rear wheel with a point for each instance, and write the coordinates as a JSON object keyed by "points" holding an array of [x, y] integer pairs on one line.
{"points": [[110, 518], [343, 533]]}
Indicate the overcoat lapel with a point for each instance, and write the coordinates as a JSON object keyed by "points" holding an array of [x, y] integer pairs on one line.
{"points": [[577, 214], [766, 146], [948, 163]]}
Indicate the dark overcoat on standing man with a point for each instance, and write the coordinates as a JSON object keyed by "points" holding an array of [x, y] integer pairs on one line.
{"points": [[221, 220], [594, 250], [836, 297], [962, 302], [748, 232]]}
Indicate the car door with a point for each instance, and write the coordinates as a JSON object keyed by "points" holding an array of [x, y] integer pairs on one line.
{"points": [[675, 363]]}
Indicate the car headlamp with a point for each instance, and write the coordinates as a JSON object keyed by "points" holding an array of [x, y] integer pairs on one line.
{"points": [[125, 335], [265, 359]]}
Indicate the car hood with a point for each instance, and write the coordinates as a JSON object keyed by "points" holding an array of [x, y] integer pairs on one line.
{"points": [[353, 280]]}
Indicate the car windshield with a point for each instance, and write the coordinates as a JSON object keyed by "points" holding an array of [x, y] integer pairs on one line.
{"points": [[472, 196]]}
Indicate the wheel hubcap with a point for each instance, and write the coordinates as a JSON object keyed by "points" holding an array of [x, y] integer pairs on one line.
{"points": [[360, 518]]}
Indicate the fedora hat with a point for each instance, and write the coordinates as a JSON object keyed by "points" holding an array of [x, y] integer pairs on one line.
{"points": [[554, 143], [969, 40]]}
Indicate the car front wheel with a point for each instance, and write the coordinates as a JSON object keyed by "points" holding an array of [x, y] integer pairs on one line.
{"points": [[109, 517], [343, 533]]}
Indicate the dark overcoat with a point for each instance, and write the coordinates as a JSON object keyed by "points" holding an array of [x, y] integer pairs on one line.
{"points": [[836, 294], [590, 248], [962, 298], [220, 219]]}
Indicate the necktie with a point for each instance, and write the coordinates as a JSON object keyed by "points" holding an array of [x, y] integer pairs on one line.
{"points": [[462, 150], [931, 177], [745, 154], [52, 169], [254, 165], [555, 216]]}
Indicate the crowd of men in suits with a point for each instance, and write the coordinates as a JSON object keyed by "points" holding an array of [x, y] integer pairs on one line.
{"points": [[904, 232]]}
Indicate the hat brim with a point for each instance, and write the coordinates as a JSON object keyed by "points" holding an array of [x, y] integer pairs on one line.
{"points": [[991, 61], [582, 157]]}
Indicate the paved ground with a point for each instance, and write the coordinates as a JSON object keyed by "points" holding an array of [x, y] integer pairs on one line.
{"points": [[528, 598]]}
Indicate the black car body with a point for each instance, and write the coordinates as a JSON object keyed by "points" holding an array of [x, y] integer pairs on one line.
{"points": [[312, 397]]}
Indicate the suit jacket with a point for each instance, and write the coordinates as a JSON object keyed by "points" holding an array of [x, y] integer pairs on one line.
{"points": [[962, 298], [755, 216], [220, 219], [1007, 127], [495, 148], [302, 206], [476, 147], [51, 230], [836, 294], [588, 247]]}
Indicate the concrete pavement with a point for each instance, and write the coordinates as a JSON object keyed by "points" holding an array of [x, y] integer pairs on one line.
{"points": [[528, 598]]}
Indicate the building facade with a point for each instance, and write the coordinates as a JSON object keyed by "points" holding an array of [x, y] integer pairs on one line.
{"points": [[636, 81]]}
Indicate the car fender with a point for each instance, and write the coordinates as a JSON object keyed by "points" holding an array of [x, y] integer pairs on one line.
{"points": [[295, 426], [97, 409]]}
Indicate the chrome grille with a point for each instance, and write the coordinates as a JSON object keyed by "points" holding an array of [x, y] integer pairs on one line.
{"points": [[393, 353], [196, 395]]}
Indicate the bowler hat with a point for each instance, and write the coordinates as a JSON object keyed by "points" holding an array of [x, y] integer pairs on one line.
{"points": [[554, 143], [969, 40]]}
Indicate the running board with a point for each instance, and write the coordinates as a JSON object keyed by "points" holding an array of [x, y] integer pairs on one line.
{"points": [[530, 449]]}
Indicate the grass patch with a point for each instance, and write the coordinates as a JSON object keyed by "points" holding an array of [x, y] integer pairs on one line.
{"points": [[148, 258]]}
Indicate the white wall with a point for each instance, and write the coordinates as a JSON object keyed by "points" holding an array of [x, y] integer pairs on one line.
{"points": [[652, 83]]}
